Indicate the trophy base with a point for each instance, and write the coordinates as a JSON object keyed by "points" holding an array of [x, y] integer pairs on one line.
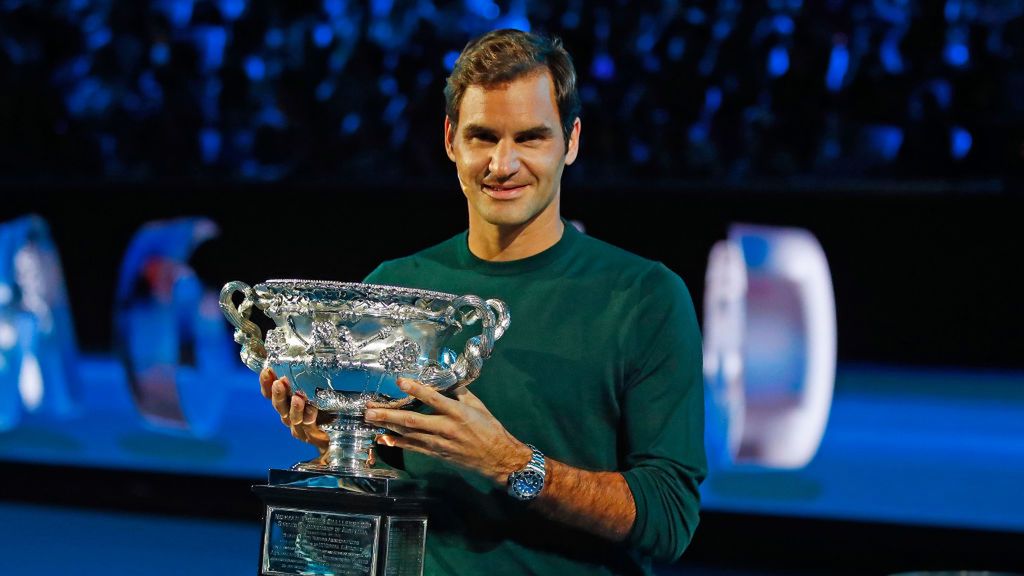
{"points": [[341, 525], [361, 473]]}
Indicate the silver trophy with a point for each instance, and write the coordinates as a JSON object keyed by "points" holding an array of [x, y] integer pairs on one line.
{"points": [[344, 346]]}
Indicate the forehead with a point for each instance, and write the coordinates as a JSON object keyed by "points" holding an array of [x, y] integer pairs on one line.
{"points": [[526, 101]]}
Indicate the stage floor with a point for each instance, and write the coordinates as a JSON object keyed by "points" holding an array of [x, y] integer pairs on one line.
{"points": [[914, 447]]}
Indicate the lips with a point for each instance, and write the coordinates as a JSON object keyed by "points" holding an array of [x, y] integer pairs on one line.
{"points": [[505, 191]]}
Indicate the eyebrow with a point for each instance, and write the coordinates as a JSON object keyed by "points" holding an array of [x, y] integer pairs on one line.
{"points": [[477, 130]]}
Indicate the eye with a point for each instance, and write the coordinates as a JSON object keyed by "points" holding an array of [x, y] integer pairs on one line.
{"points": [[489, 138]]}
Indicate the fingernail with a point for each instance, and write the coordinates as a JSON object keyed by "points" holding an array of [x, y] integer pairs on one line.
{"points": [[403, 384], [387, 440], [278, 388], [372, 414]]}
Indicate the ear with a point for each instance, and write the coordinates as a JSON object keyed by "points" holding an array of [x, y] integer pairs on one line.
{"points": [[574, 142], [449, 138]]}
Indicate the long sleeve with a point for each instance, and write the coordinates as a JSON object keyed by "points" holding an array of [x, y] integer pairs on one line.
{"points": [[663, 416]]}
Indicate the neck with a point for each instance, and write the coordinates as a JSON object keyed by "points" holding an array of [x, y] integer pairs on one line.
{"points": [[501, 243]]}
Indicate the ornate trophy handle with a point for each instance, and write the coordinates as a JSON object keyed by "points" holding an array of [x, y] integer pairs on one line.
{"points": [[495, 318], [247, 333]]}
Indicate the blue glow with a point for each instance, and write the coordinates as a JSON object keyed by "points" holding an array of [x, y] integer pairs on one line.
{"points": [[449, 60], [149, 87], [424, 78], [90, 96], [838, 63], [960, 142], [676, 47], [778, 61], [381, 7], [324, 90], [399, 134], [334, 8], [645, 42], [886, 140], [322, 35], [274, 38], [603, 67], [889, 53], [695, 16], [952, 10], [712, 99], [272, 116], [956, 54], [209, 145], [698, 133], [639, 152], [483, 8], [231, 9], [387, 85], [350, 123], [179, 12], [394, 109], [943, 93], [831, 150], [783, 24], [255, 69], [98, 38], [159, 54], [515, 22], [211, 41], [571, 20], [721, 29], [651, 63], [660, 116], [755, 250], [337, 61]]}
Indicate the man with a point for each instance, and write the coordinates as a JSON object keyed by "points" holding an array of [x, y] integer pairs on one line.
{"points": [[600, 370]]}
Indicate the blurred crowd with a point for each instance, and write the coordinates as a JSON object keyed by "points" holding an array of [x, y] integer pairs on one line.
{"points": [[335, 89]]}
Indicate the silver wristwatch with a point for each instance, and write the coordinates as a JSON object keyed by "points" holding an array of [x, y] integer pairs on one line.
{"points": [[525, 484]]}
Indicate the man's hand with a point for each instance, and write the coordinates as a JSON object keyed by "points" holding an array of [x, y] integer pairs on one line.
{"points": [[461, 430], [295, 412]]}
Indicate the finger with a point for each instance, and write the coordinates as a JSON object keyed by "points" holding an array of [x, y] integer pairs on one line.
{"points": [[267, 378], [405, 419], [397, 429], [309, 414], [296, 409], [279, 397], [466, 397], [427, 395], [299, 433], [317, 437], [424, 444]]}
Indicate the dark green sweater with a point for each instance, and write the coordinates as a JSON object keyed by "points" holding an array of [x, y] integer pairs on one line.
{"points": [[600, 369]]}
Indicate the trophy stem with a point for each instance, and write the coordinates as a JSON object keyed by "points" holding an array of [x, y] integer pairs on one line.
{"points": [[351, 444], [351, 449]]}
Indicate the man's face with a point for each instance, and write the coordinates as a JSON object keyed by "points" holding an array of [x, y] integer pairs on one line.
{"points": [[510, 151]]}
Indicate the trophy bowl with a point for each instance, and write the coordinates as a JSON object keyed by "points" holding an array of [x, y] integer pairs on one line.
{"points": [[344, 345]]}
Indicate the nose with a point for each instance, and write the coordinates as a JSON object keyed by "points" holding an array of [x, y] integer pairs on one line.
{"points": [[504, 160]]}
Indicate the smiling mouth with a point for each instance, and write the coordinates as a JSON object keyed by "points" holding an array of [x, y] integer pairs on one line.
{"points": [[504, 192]]}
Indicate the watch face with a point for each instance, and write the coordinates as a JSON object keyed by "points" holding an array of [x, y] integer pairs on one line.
{"points": [[529, 483]]}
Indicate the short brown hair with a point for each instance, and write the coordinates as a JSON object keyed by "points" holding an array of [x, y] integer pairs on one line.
{"points": [[502, 56]]}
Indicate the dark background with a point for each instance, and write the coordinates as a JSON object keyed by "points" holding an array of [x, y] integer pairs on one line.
{"points": [[310, 131], [922, 276]]}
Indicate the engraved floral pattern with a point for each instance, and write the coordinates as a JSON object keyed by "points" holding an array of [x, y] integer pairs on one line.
{"points": [[400, 356]]}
